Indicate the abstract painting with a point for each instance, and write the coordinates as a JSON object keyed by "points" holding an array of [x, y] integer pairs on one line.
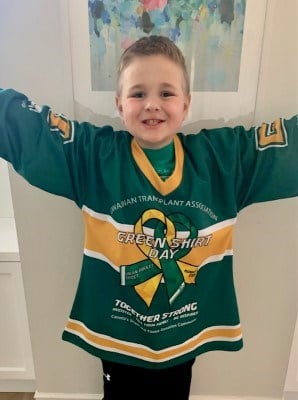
{"points": [[209, 33]]}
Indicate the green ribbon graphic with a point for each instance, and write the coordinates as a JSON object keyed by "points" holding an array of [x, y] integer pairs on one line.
{"points": [[161, 261]]}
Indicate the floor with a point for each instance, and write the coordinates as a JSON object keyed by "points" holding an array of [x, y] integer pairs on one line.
{"points": [[16, 396]]}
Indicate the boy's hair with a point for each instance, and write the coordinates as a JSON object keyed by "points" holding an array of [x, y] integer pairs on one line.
{"points": [[154, 45]]}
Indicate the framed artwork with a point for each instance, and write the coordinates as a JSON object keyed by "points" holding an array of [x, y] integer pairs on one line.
{"points": [[208, 31], [221, 41]]}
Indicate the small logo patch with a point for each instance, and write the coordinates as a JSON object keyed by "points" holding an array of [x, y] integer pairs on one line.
{"points": [[271, 135]]}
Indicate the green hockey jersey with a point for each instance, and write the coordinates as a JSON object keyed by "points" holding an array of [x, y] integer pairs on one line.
{"points": [[156, 287]]}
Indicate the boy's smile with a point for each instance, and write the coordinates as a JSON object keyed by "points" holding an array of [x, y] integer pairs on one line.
{"points": [[153, 101]]}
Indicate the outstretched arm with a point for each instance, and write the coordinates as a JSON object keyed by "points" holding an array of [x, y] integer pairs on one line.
{"points": [[33, 139]]}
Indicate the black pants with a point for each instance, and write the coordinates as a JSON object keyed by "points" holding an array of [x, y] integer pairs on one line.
{"points": [[124, 382]]}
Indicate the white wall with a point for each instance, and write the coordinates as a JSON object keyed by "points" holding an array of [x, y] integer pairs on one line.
{"points": [[6, 208], [35, 59], [266, 259]]}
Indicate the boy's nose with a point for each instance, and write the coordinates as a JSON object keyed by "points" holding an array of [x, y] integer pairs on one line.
{"points": [[152, 105]]}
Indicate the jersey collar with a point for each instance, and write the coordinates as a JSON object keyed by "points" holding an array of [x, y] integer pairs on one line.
{"points": [[170, 184]]}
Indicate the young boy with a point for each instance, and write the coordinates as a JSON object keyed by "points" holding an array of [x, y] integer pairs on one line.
{"points": [[156, 288]]}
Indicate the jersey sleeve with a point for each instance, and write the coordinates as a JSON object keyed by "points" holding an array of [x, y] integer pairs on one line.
{"points": [[47, 149], [248, 166], [267, 162]]}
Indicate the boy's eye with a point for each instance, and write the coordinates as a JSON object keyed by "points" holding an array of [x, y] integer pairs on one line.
{"points": [[166, 94], [138, 95]]}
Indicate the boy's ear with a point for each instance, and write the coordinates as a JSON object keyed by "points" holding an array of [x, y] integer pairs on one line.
{"points": [[187, 101], [187, 104], [119, 104]]}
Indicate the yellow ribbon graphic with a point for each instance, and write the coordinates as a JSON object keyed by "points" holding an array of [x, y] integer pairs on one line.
{"points": [[162, 259]]}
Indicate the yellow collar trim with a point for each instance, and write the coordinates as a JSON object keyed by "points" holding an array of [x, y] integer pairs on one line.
{"points": [[170, 184]]}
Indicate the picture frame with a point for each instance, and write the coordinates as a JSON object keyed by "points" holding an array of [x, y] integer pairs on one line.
{"points": [[208, 108]]}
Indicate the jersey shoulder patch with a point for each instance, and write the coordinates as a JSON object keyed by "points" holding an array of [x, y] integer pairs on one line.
{"points": [[271, 135], [59, 123]]}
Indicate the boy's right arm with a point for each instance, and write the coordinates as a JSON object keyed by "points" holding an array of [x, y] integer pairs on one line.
{"points": [[33, 138]]}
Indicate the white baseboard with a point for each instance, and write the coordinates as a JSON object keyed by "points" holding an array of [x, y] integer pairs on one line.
{"points": [[66, 396], [17, 385], [83, 396], [290, 395]]}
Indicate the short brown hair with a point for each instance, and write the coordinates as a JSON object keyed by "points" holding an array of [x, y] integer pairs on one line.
{"points": [[154, 45]]}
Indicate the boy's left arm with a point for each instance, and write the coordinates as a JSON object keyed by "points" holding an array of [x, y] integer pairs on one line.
{"points": [[269, 169]]}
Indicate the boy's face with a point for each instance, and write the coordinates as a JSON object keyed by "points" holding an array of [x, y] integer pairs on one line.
{"points": [[153, 102]]}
